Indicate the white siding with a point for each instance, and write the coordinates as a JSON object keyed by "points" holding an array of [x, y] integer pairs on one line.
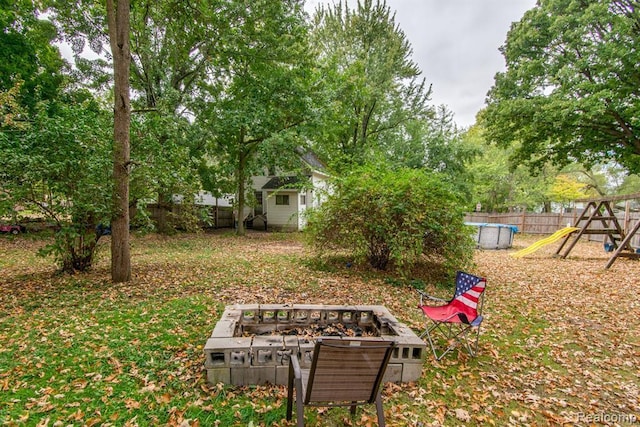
{"points": [[302, 219], [320, 190], [281, 216]]}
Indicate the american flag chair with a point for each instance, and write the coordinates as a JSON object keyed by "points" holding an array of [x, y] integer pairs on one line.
{"points": [[459, 319]]}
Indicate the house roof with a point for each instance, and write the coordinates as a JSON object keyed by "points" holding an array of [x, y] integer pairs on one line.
{"points": [[283, 182], [310, 158]]}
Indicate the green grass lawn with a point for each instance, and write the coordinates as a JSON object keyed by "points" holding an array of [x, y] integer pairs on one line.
{"points": [[560, 343]]}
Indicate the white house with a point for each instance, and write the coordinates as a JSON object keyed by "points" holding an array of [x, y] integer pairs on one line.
{"points": [[280, 201]]}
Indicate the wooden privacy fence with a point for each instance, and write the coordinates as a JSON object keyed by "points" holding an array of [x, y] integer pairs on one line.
{"points": [[546, 223]]}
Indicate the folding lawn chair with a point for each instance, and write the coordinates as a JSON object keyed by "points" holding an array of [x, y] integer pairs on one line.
{"points": [[459, 319], [343, 372]]}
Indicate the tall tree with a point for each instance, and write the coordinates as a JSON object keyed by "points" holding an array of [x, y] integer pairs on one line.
{"points": [[52, 138], [175, 45], [565, 189], [371, 87], [118, 23], [263, 92], [571, 91], [435, 144]]}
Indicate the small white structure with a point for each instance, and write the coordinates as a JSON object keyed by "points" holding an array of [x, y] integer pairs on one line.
{"points": [[280, 201], [285, 198]]}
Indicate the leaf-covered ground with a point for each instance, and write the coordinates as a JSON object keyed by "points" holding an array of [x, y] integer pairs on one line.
{"points": [[560, 344]]}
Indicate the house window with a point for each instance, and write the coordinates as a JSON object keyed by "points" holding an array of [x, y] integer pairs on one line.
{"points": [[282, 199], [303, 199]]}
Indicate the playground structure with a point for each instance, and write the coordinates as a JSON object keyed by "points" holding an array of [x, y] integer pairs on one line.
{"points": [[599, 211], [597, 218], [544, 242]]}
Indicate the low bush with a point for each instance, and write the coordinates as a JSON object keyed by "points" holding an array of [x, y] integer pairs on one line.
{"points": [[395, 219]]}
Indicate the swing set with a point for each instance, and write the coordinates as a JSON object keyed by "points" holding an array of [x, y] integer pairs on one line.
{"points": [[598, 218]]}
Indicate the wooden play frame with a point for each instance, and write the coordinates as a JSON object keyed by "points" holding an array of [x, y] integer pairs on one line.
{"points": [[600, 210]]}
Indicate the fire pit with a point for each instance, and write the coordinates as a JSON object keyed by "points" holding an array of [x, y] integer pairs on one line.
{"points": [[251, 344]]}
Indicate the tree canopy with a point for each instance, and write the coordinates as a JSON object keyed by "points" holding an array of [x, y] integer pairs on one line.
{"points": [[370, 86], [27, 54], [223, 90], [571, 91], [263, 89]]}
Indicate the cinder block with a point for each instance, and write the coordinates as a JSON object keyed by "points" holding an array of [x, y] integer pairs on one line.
{"points": [[301, 316], [381, 311], [224, 329], [231, 313], [258, 328], [253, 375], [409, 349], [365, 317], [308, 306], [317, 316], [291, 349], [279, 313], [393, 374], [264, 350], [400, 329], [234, 352], [268, 312], [219, 375], [308, 314], [238, 376], [411, 372], [282, 375], [305, 353], [250, 313]]}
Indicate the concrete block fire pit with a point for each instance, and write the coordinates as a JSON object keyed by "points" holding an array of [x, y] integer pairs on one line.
{"points": [[252, 344]]}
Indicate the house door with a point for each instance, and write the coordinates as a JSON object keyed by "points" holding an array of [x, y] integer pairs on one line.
{"points": [[258, 208]]}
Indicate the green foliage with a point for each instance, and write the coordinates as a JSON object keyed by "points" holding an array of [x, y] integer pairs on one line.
{"points": [[28, 55], [394, 217], [630, 185], [500, 186], [370, 87], [570, 92], [59, 167], [566, 189], [264, 92]]}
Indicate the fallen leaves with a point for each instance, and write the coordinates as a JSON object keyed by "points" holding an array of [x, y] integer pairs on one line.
{"points": [[561, 337]]}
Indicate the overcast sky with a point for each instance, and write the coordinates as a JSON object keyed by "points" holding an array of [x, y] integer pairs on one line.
{"points": [[455, 44]]}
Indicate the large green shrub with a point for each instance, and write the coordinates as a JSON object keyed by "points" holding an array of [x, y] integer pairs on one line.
{"points": [[394, 218], [58, 166]]}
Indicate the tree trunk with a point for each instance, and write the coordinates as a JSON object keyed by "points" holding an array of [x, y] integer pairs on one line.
{"points": [[118, 20], [242, 160], [164, 208]]}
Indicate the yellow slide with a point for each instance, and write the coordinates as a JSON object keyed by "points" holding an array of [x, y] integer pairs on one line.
{"points": [[547, 240]]}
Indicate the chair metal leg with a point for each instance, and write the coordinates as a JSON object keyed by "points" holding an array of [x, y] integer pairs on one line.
{"points": [[380, 410], [465, 335], [290, 394], [299, 405], [299, 412]]}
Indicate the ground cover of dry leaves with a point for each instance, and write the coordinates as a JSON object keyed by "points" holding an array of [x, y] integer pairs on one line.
{"points": [[560, 344]]}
